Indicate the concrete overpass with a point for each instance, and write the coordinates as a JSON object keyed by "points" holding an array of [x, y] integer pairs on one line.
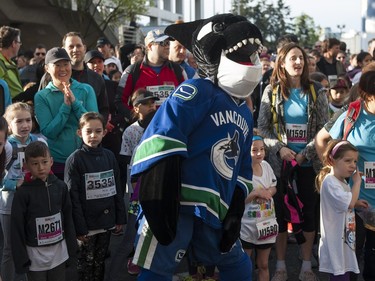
{"points": [[47, 21]]}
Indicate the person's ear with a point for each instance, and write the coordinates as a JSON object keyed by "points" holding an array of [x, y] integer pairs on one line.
{"points": [[79, 133], [105, 132], [51, 161]]}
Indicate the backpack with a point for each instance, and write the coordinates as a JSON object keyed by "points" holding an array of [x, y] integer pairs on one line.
{"points": [[16, 150], [292, 204], [135, 70], [352, 114]]}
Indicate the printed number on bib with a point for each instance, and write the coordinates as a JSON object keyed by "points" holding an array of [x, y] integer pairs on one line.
{"points": [[49, 229], [267, 229], [369, 174], [100, 185], [296, 133], [161, 91]]}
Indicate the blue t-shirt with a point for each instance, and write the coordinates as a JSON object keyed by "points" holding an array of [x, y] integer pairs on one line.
{"points": [[295, 112], [362, 136]]}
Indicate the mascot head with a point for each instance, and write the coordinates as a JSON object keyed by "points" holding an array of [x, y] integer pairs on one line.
{"points": [[226, 49]]}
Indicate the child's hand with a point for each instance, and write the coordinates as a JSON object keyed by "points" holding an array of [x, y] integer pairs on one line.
{"points": [[83, 238], [118, 227], [357, 176], [264, 194]]}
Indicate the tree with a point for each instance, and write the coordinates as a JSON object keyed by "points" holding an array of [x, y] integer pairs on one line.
{"points": [[105, 13], [273, 19], [306, 31]]}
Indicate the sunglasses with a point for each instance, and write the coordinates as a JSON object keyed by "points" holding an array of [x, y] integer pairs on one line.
{"points": [[40, 54], [163, 43]]}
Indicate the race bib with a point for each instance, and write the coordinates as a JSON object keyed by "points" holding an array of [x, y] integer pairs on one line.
{"points": [[161, 91], [100, 185], [350, 229], [296, 133], [267, 229], [49, 229], [369, 174]]}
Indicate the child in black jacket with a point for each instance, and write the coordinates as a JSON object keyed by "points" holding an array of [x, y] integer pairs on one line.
{"points": [[93, 178], [42, 229]]}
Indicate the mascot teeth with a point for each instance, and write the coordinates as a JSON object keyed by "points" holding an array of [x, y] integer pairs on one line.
{"points": [[226, 52], [251, 40], [258, 41], [235, 48], [239, 44], [231, 50], [244, 41]]}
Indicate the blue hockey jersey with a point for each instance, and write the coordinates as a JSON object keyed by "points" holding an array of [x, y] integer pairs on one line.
{"points": [[213, 134]]}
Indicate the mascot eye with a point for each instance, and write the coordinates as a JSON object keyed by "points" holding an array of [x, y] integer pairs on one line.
{"points": [[218, 27]]}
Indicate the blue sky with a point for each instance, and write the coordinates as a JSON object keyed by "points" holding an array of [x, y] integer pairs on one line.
{"points": [[326, 13], [329, 13]]}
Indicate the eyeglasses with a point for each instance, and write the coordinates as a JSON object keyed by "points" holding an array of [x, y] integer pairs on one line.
{"points": [[163, 43], [40, 54]]}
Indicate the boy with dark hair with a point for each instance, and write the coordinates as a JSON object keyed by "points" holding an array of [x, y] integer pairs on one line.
{"points": [[42, 227]]}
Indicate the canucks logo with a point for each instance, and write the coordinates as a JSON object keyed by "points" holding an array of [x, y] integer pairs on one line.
{"points": [[224, 155], [185, 92]]}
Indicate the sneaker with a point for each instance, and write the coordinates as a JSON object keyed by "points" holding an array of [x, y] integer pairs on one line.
{"points": [[133, 269], [308, 276], [280, 275]]}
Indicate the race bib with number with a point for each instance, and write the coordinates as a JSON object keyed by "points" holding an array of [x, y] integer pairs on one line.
{"points": [[100, 185], [161, 91], [267, 229], [296, 133], [369, 174], [350, 229], [49, 229]]}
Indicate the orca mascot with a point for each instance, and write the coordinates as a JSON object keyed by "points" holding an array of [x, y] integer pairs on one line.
{"points": [[194, 158]]}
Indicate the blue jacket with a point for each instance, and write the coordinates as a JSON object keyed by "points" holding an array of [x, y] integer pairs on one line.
{"points": [[7, 98], [58, 121]]}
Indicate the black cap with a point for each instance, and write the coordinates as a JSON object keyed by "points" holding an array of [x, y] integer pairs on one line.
{"points": [[93, 54], [102, 41], [55, 54], [144, 97]]}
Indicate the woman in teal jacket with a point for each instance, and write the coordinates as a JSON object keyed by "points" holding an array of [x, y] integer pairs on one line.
{"points": [[59, 106]]}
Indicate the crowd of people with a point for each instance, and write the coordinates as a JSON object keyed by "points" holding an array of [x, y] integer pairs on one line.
{"points": [[73, 118]]}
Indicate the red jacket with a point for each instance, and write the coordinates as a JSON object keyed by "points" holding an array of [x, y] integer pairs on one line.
{"points": [[148, 77]]}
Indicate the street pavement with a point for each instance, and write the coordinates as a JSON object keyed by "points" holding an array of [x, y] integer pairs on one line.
{"points": [[292, 260]]}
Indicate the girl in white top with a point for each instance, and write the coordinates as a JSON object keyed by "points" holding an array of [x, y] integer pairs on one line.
{"points": [[259, 227], [337, 202]]}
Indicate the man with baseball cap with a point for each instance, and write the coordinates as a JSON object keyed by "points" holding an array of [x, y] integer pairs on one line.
{"points": [[156, 72], [105, 47]]}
